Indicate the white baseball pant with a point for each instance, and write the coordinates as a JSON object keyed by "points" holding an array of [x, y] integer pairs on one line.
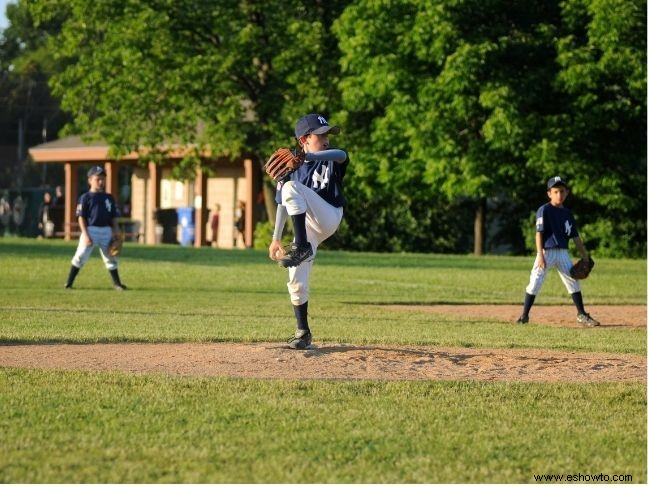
{"points": [[554, 257], [322, 220], [100, 236]]}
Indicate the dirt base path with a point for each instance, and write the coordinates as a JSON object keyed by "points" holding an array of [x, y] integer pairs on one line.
{"points": [[547, 315], [331, 361]]}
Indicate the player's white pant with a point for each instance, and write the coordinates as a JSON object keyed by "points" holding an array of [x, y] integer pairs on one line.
{"points": [[100, 236], [322, 220], [558, 258]]}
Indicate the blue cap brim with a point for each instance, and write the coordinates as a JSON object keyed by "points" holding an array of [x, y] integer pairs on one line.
{"points": [[326, 129]]}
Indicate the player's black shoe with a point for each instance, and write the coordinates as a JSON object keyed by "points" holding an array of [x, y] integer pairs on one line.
{"points": [[523, 320], [120, 287], [296, 255], [68, 286], [301, 340]]}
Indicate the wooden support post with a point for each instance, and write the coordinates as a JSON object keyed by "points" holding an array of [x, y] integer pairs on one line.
{"points": [[251, 193], [112, 178], [200, 209], [152, 200], [71, 196]]}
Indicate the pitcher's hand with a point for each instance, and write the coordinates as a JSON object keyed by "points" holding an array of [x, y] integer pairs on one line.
{"points": [[276, 251]]}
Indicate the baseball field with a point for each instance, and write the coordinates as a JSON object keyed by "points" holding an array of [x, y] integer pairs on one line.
{"points": [[418, 373]]}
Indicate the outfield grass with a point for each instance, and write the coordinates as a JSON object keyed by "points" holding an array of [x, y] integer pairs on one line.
{"points": [[84, 427], [187, 294]]}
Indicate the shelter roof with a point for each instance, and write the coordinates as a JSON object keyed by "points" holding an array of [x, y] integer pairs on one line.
{"points": [[73, 149]]}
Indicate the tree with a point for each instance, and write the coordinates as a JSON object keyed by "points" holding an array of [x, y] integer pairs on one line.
{"points": [[455, 91], [30, 114], [597, 137], [460, 102], [229, 75]]}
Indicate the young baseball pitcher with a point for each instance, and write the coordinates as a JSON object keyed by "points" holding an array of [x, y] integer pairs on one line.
{"points": [[96, 212], [555, 226], [312, 196]]}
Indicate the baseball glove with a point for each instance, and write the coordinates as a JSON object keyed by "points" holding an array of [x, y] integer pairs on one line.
{"points": [[115, 245], [581, 269], [282, 162]]}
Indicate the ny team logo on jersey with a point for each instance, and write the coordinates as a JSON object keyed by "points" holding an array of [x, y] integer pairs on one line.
{"points": [[108, 206], [568, 228], [320, 181]]}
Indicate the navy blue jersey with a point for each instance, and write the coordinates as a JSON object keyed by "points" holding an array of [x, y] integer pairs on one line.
{"points": [[98, 208], [557, 226], [323, 177]]}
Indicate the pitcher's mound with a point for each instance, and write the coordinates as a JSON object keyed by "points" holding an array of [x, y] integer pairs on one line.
{"points": [[331, 361]]}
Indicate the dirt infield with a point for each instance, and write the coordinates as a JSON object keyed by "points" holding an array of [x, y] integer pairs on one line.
{"points": [[547, 315], [331, 361], [340, 361]]}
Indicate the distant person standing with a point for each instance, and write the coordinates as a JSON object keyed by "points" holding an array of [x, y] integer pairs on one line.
{"points": [[97, 215], [57, 210], [59, 197], [45, 224], [214, 222], [239, 223]]}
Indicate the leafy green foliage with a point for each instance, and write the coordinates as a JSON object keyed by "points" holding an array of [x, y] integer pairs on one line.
{"points": [[445, 105], [212, 76], [26, 63], [472, 99], [597, 139], [457, 102]]}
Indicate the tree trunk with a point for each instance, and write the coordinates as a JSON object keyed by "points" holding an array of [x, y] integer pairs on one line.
{"points": [[268, 197], [480, 227]]}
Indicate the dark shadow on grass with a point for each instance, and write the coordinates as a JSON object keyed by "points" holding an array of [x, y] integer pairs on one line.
{"points": [[225, 257], [132, 251], [136, 312]]}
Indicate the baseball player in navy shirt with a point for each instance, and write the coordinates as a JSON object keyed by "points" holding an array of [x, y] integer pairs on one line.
{"points": [[312, 197], [96, 213], [555, 226]]}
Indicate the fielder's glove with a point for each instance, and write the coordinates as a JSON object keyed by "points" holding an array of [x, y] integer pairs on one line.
{"points": [[282, 162], [115, 245], [581, 269]]}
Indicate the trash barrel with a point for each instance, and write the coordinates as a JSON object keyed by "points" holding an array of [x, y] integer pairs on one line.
{"points": [[186, 225], [168, 220]]}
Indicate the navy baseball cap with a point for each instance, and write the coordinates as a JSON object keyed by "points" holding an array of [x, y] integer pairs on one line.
{"points": [[97, 170], [556, 181], [314, 123]]}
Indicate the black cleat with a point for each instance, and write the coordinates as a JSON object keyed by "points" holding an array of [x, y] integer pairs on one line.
{"points": [[296, 255], [301, 340], [120, 287], [523, 320]]}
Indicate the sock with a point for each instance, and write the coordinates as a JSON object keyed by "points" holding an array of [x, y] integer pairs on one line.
{"points": [[301, 313], [299, 226], [528, 302], [72, 275], [115, 276], [577, 297]]}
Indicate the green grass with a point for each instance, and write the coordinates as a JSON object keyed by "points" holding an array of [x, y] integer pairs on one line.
{"points": [[187, 294], [82, 427], [113, 428]]}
